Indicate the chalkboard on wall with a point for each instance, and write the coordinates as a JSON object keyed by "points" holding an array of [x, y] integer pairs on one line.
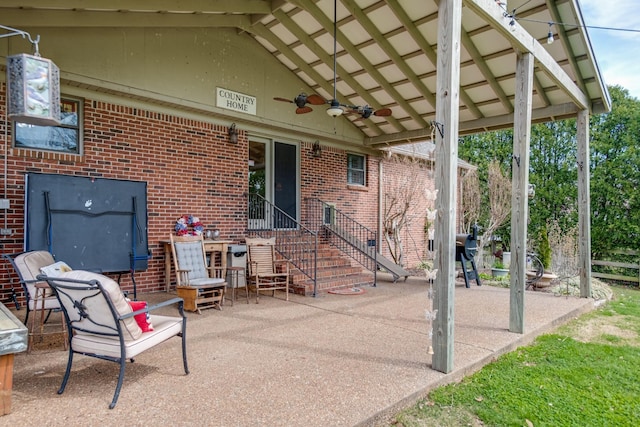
{"points": [[94, 224]]}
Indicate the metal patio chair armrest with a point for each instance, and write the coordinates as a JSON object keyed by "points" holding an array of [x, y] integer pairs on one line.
{"points": [[150, 308]]}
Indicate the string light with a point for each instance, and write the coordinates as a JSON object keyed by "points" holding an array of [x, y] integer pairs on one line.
{"points": [[591, 27], [550, 38]]}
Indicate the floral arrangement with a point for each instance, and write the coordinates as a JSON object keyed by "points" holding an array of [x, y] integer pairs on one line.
{"points": [[184, 222]]}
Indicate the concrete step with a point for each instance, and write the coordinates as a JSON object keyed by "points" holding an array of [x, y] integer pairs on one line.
{"points": [[331, 271], [326, 284]]}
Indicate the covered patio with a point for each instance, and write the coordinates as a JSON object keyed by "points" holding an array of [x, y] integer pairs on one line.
{"points": [[338, 360], [444, 68]]}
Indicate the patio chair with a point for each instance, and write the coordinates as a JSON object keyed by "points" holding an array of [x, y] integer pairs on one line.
{"points": [[266, 272], [201, 286], [39, 297], [102, 324]]}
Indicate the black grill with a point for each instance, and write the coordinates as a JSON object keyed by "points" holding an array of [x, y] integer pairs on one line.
{"points": [[466, 250]]}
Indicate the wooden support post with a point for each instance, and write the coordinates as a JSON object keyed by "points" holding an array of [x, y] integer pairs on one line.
{"points": [[446, 140], [519, 187], [584, 203]]}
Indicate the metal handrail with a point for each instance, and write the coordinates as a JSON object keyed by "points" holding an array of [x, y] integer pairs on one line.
{"points": [[343, 232], [294, 241]]}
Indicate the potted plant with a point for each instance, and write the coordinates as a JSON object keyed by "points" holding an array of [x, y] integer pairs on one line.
{"points": [[498, 269]]}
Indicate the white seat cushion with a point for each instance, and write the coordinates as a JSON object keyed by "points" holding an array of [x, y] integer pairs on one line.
{"points": [[164, 327]]}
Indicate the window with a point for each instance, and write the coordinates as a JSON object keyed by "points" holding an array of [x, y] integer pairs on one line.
{"points": [[355, 169], [65, 138]]}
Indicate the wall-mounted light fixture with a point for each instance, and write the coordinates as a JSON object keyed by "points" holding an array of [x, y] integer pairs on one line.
{"points": [[316, 151], [233, 134]]}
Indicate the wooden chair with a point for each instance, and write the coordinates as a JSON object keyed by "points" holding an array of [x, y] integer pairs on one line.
{"points": [[101, 322], [200, 286], [39, 297], [266, 272]]}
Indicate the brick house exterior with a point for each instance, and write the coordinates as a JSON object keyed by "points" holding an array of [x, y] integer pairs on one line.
{"points": [[190, 168], [173, 137]]}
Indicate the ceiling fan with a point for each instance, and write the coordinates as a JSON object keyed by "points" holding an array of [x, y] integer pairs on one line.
{"points": [[335, 107], [367, 111], [302, 100]]}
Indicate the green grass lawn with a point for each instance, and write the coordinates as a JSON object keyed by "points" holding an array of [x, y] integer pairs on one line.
{"points": [[587, 373]]}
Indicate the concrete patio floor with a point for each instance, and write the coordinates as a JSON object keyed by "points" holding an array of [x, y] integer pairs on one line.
{"points": [[334, 360]]}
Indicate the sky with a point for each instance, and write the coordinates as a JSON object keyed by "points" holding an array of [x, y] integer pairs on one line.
{"points": [[617, 52]]}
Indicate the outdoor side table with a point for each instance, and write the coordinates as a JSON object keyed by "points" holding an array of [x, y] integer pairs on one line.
{"points": [[234, 281]]}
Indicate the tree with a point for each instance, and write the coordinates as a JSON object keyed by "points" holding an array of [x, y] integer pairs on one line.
{"points": [[615, 175], [402, 199], [499, 205], [471, 200], [544, 248], [553, 171], [497, 192], [482, 150]]}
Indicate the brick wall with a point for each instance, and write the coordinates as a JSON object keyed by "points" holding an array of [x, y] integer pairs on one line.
{"points": [[190, 168], [325, 178]]}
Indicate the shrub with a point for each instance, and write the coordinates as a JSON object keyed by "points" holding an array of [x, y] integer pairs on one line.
{"points": [[544, 248]]}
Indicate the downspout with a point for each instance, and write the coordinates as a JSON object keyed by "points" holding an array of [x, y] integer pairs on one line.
{"points": [[6, 144], [380, 200]]}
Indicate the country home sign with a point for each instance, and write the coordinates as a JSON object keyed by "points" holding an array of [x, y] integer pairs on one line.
{"points": [[236, 101]]}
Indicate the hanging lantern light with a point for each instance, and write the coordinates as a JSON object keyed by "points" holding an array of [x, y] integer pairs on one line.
{"points": [[33, 90]]}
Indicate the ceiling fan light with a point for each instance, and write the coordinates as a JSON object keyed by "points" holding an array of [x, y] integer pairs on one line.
{"points": [[335, 111]]}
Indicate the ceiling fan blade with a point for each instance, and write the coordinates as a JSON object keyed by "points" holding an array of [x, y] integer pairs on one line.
{"points": [[383, 112], [303, 110], [283, 99], [314, 99]]}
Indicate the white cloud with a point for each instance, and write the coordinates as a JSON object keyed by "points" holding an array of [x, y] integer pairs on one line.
{"points": [[617, 52]]}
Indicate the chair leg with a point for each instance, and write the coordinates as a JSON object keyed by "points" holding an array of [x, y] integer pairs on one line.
{"points": [[184, 350], [123, 362], [67, 372]]}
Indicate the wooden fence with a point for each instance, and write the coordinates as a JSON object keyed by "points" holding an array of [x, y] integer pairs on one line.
{"points": [[620, 267]]}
